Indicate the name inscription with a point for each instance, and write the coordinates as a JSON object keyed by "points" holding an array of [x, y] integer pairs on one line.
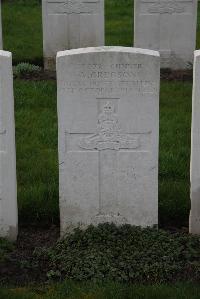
{"points": [[99, 79]]}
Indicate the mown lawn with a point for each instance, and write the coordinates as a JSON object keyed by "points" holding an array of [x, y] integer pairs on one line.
{"points": [[37, 161], [22, 30], [36, 120], [69, 290], [37, 166], [22, 27]]}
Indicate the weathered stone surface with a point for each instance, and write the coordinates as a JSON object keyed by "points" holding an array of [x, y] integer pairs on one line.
{"points": [[8, 186], [195, 150], [71, 24], [169, 27], [108, 115]]}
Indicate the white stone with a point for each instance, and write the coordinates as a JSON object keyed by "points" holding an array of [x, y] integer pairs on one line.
{"points": [[71, 24], [8, 186], [169, 27], [108, 115], [195, 150]]}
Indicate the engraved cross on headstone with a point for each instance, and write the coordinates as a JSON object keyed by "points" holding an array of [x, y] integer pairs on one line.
{"points": [[108, 141]]}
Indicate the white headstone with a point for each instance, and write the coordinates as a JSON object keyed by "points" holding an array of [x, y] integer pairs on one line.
{"points": [[71, 24], [195, 150], [108, 115], [169, 27], [8, 187]]}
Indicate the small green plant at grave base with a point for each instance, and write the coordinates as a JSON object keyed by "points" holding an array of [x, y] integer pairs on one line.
{"points": [[123, 254], [5, 248], [25, 68]]}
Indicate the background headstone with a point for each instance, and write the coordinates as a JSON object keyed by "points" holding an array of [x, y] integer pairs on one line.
{"points": [[169, 27], [108, 115], [8, 186], [71, 24], [195, 150]]}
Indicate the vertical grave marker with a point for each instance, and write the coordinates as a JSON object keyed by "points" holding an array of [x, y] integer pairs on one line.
{"points": [[195, 150], [71, 24], [169, 27], [108, 114], [8, 187]]}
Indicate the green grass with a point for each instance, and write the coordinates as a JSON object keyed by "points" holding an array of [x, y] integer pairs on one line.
{"points": [[36, 122], [174, 163], [22, 27], [119, 22], [22, 30], [36, 135], [69, 290], [37, 166]]}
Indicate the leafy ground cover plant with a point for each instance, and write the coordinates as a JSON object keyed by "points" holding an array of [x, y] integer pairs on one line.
{"points": [[26, 69], [123, 254]]}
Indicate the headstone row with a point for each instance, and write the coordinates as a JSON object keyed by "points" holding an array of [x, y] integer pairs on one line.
{"points": [[108, 117], [163, 25], [108, 132]]}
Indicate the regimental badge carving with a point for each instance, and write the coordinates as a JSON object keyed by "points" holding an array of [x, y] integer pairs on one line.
{"points": [[73, 6], [108, 134], [169, 7]]}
